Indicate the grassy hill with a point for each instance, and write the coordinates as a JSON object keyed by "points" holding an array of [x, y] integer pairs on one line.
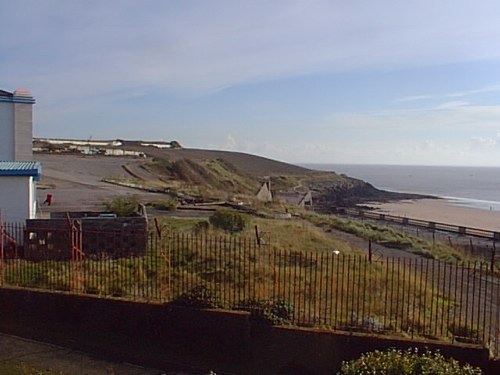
{"points": [[208, 174]]}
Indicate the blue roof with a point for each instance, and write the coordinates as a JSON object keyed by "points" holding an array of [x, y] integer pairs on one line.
{"points": [[21, 168]]}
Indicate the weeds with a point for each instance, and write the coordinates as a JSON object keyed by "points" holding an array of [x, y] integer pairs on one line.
{"points": [[387, 237]]}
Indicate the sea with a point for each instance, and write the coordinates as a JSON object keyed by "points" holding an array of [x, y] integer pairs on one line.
{"points": [[475, 187]]}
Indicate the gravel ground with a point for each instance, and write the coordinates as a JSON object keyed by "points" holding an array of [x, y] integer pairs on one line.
{"points": [[76, 182]]}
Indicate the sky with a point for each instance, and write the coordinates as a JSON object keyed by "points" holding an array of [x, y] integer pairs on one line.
{"points": [[302, 81]]}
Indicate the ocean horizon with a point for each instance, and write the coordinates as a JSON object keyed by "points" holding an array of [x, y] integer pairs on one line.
{"points": [[475, 187]]}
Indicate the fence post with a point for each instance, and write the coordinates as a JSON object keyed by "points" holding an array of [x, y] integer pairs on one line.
{"points": [[257, 236], [76, 247], [370, 251], [493, 255]]}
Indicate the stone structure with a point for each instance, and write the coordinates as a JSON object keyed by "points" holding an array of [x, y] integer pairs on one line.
{"points": [[264, 194], [303, 200]]}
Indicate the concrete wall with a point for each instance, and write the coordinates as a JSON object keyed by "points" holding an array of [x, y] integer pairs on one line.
{"points": [[23, 131], [173, 338], [6, 131], [17, 198]]}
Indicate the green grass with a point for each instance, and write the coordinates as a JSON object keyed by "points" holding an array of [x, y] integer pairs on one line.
{"points": [[294, 263], [297, 235], [388, 237], [180, 224], [163, 204], [317, 284]]}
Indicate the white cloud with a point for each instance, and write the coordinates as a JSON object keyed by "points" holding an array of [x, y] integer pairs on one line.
{"points": [[82, 57], [487, 89], [453, 104], [231, 143], [414, 98], [485, 143], [88, 49]]}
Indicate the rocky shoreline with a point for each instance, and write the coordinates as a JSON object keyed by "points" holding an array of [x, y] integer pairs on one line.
{"points": [[359, 193]]}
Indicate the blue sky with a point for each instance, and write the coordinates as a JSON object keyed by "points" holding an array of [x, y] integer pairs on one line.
{"points": [[384, 82]]}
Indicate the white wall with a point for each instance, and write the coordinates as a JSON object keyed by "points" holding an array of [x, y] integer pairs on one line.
{"points": [[6, 131], [23, 131], [32, 199], [17, 198]]}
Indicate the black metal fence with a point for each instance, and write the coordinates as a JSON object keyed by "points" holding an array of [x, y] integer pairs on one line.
{"points": [[404, 296]]}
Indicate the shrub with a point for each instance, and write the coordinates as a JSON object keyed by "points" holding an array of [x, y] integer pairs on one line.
{"points": [[199, 297], [277, 312], [201, 227], [123, 205], [409, 362], [163, 204], [228, 221], [465, 333]]}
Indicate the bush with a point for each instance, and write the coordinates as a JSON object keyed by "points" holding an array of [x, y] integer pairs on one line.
{"points": [[228, 221], [275, 312], [409, 362], [163, 204], [199, 297], [123, 205], [201, 227]]}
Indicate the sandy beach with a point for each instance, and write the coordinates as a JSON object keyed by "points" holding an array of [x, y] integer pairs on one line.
{"points": [[444, 211]]}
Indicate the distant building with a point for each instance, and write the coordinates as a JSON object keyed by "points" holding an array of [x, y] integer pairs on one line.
{"points": [[296, 198], [18, 172]]}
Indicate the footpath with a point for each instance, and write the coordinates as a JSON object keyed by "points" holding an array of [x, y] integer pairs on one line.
{"points": [[16, 350]]}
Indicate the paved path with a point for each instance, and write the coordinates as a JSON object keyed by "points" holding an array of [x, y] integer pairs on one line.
{"points": [[66, 361]]}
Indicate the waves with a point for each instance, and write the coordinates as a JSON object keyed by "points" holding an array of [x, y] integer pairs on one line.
{"points": [[474, 187]]}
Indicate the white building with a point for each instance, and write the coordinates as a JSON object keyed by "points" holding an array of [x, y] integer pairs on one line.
{"points": [[18, 190], [16, 125], [18, 171]]}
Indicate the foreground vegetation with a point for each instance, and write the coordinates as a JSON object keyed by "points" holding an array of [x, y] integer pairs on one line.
{"points": [[409, 362], [285, 271]]}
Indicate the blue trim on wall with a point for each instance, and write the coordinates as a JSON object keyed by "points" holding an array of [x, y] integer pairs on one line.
{"points": [[16, 99]]}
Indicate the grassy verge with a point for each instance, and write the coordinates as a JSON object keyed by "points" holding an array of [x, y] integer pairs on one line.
{"points": [[388, 237], [296, 235]]}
